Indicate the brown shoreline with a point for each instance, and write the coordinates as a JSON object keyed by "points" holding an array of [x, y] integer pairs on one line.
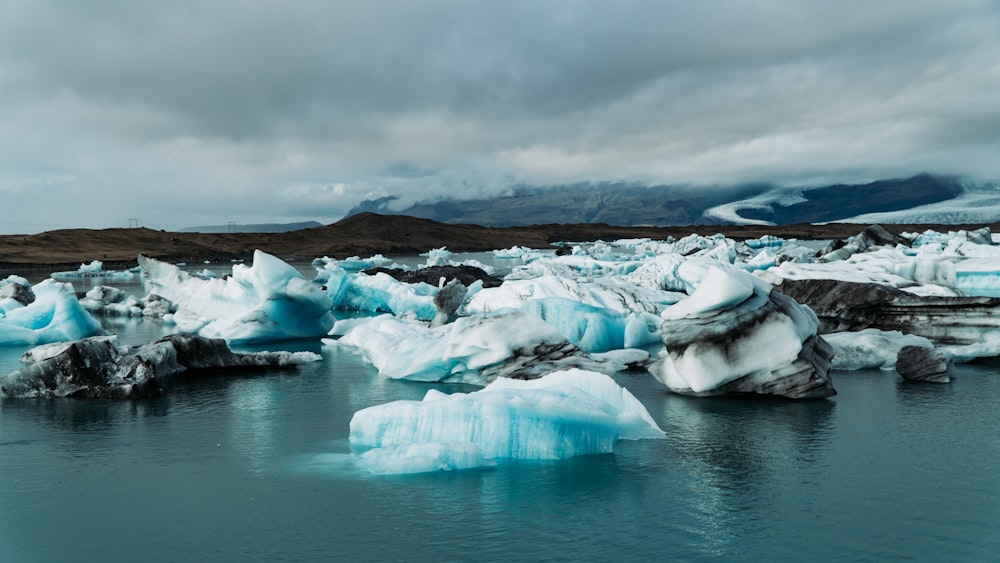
{"points": [[364, 235]]}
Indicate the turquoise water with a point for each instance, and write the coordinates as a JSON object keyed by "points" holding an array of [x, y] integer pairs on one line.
{"points": [[258, 468]]}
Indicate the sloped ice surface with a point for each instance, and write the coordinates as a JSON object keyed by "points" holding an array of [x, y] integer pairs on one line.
{"points": [[564, 414], [596, 329], [54, 315]]}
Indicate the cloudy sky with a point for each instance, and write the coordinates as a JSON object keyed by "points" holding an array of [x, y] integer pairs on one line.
{"points": [[183, 113]]}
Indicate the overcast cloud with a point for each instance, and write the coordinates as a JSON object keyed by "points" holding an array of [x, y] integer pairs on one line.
{"points": [[184, 113]]}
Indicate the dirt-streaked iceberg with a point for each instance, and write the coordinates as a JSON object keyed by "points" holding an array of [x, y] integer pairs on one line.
{"points": [[733, 335], [475, 350], [97, 367]]}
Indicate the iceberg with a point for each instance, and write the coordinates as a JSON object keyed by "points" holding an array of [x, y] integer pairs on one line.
{"points": [[733, 335], [95, 269], [965, 328], [97, 368], [54, 315], [564, 414], [871, 348], [15, 292], [269, 300], [475, 350], [352, 264], [111, 301], [604, 291], [404, 293], [596, 329]]}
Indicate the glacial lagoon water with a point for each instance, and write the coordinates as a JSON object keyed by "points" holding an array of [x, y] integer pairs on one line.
{"points": [[257, 467]]}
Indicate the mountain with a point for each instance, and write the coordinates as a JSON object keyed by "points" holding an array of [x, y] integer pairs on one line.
{"points": [[634, 205], [254, 228], [611, 203]]}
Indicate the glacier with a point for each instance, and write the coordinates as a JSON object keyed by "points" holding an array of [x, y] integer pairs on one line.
{"points": [[563, 414]]}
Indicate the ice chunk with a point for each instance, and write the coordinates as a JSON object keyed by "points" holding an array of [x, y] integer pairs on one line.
{"points": [[97, 368], [352, 264], [473, 350], [594, 329], [15, 292], [437, 257], [111, 301], [870, 348], [718, 290], [95, 269], [383, 293], [563, 414], [522, 253], [55, 315], [764, 343], [269, 300], [608, 292]]}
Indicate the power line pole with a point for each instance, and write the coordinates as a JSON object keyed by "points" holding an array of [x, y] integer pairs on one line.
{"points": [[133, 223], [232, 226]]}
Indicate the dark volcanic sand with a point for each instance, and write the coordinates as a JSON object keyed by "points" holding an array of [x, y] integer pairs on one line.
{"points": [[363, 235]]}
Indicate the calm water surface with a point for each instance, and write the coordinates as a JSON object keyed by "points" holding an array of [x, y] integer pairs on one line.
{"points": [[258, 468]]}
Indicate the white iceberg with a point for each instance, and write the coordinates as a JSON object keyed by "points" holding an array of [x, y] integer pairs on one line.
{"points": [[473, 350], [94, 269], [563, 414], [870, 348], [269, 300]]}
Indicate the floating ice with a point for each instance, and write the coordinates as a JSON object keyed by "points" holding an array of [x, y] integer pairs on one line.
{"points": [[596, 329], [563, 414], [269, 300], [437, 257], [95, 269], [870, 348], [733, 335], [383, 293], [352, 264], [55, 315], [380, 292], [15, 292], [473, 350], [98, 368], [111, 301], [607, 292], [522, 253]]}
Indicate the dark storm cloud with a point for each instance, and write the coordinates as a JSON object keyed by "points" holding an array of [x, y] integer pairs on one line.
{"points": [[263, 108]]}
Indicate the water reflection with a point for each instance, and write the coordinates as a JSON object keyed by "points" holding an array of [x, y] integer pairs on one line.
{"points": [[739, 455]]}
